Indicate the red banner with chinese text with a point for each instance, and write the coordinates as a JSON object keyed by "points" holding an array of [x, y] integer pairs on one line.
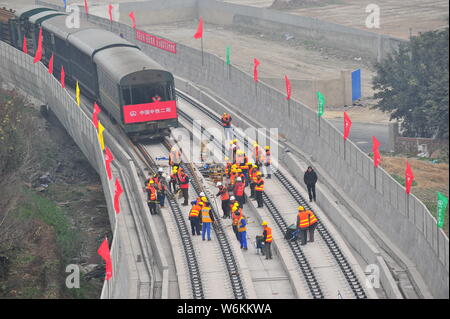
{"points": [[156, 42], [149, 112]]}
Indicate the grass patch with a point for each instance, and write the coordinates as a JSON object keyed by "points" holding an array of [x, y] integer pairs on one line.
{"points": [[37, 206]]}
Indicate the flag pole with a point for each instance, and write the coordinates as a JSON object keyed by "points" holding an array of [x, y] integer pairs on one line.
{"points": [[202, 47], [375, 176], [289, 108], [319, 124]]}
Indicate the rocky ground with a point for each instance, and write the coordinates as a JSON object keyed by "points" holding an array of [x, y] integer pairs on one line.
{"points": [[52, 209]]}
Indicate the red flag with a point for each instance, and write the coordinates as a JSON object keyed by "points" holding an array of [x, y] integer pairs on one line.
{"points": [[103, 251], [24, 45], [199, 33], [38, 55], [110, 7], [86, 8], [347, 125], [288, 88], [133, 19], [256, 63], [409, 177], [376, 152], [108, 159], [50, 65], [63, 75], [97, 110], [117, 194]]}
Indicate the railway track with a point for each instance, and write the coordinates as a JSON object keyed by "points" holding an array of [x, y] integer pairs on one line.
{"points": [[333, 247], [236, 282], [183, 230]]}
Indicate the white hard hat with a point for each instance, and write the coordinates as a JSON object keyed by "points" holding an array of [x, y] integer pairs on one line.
{"points": [[202, 194], [160, 169], [239, 179], [219, 184], [232, 198]]}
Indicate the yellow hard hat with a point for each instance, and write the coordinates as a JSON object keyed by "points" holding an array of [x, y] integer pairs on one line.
{"points": [[236, 204], [301, 208], [204, 199], [226, 158], [249, 163], [267, 147], [264, 223], [255, 144], [231, 142], [234, 166], [255, 166], [235, 141], [239, 170], [151, 182], [258, 173], [235, 208]]}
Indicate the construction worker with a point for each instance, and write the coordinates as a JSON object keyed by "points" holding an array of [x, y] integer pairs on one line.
{"points": [[174, 156], [306, 220], [245, 171], [183, 181], [207, 219], [194, 217], [235, 219], [252, 176], [161, 186], [226, 123], [259, 188], [174, 179], [242, 229], [238, 191], [267, 234], [152, 196], [268, 162], [256, 154], [225, 197], [233, 149]]}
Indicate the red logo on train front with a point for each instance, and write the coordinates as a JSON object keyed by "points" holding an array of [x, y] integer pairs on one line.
{"points": [[149, 112]]}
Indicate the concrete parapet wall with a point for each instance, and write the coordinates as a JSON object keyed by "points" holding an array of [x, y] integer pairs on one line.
{"points": [[18, 69]]}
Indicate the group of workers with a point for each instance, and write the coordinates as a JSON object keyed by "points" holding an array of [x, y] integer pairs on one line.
{"points": [[240, 172]]}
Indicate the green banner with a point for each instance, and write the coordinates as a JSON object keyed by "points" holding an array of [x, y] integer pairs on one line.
{"points": [[228, 55], [442, 203], [320, 103]]}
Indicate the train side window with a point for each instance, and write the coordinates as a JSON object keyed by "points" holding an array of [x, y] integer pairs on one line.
{"points": [[126, 95]]}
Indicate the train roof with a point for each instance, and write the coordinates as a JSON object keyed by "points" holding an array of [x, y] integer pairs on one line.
{"points": [[44, 15], [57, 25], [120, 62], [90, 42], [28, 11]]}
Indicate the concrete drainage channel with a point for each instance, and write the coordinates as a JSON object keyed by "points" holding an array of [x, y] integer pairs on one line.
{"points": [[311, 280], [191, 259]]}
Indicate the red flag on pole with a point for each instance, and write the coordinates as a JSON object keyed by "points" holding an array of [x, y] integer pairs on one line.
{"points": [[108, 159], [347, 125], [104, 252], [199, 33], [97, 110], [63, 75], [38, 55], [24, 45], [86, 9], [376, 152], [110, 7], [133, 19], [117, 194], [256, 63], [288, 88], [409, 178], [50, 64]]}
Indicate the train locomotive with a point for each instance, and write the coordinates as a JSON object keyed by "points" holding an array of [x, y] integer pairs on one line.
{"points": [[136, 92]]}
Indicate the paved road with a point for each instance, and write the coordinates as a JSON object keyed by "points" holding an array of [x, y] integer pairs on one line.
{"points": [[361, 134]]}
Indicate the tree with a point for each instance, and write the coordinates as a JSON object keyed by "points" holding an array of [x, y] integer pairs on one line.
{"points": [[412, 83]]}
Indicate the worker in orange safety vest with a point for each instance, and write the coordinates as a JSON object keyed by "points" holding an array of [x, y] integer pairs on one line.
{"points": [[267, 234], [259, 188], [194, 217], [306, 221], [152, 196]]}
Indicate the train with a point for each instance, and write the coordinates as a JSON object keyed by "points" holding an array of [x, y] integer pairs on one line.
{"points": [[135, 91]]}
